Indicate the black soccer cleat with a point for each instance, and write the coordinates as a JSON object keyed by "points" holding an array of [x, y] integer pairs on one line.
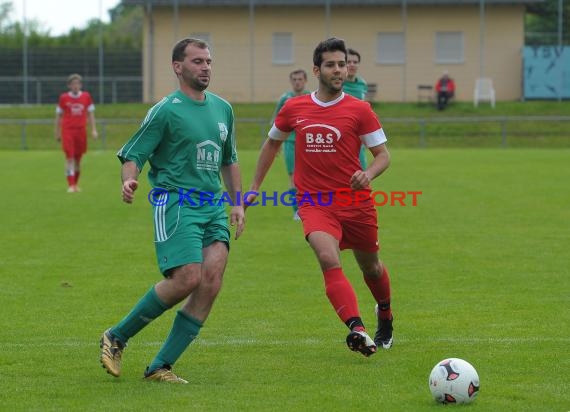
{"points": [[383, 335], [359, 341]]}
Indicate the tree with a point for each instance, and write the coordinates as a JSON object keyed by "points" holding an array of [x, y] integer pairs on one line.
{"points": [[542, 23], [5, 12], [12, 32], [124, 30]]}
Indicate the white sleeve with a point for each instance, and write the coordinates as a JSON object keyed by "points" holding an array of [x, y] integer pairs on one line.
{"points": [[277, 134], [91, 108], [375, 138]]}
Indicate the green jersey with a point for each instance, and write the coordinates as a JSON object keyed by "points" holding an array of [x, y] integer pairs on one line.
{"points": [[186, 142], [357, 87], [284, 97]]}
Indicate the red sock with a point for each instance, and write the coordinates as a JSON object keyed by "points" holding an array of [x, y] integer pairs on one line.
{"points": [[380, 288], [77, 177], [71, 180], [341, 294]]}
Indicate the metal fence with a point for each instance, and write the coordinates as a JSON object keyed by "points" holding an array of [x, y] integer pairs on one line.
{"points": [[110, 75], [496, 131], [43, 89], [489, 131], [38, 134]]}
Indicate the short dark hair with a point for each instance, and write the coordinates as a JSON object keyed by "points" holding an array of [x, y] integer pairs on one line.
{"points": [[298, 71], [179, 50], [354, 53], [330, 45]]}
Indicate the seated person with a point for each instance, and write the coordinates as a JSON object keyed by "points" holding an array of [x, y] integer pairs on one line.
{"points": [[445, 89]]}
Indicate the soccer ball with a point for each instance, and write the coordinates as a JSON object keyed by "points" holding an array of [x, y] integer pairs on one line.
{"points": [[454, 380]]}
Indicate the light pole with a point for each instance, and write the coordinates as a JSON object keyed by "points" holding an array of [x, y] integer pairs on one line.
{"points": [[25, 55], [101, 56]]}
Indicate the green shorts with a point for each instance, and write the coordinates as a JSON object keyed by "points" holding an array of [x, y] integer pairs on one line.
{"points": [[181, 231], [289, 154]]}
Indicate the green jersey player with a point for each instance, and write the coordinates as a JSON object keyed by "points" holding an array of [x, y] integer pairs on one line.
{"points": [[355, 86], [188, 140]]}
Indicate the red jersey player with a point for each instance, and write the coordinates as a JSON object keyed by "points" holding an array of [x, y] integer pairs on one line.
{"points": [[72, 112], [333, 192]]}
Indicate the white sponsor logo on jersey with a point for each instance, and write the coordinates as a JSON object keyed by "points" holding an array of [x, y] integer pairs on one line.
{"points": [[208, 156], [321, 137], [76, 109], [223, 131]]}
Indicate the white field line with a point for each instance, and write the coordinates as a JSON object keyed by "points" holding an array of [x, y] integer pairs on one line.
{"points": [[297, 342]]}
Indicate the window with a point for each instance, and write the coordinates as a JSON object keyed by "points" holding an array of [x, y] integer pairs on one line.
{"points": [[449, 47], [390, 48], [283, 48]]}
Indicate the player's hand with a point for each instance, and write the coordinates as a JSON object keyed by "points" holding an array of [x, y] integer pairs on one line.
{"points": [[128, 191], [237, 219], [359, 180], [58, 137], [249, 199], [94, 134]]}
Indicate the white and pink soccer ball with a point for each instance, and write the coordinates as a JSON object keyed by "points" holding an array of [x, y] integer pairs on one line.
{"points": [[454, 380]]}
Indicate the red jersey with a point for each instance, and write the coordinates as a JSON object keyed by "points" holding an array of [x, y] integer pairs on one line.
{"points": [[445, 85], [74, 109], [328, 139]]}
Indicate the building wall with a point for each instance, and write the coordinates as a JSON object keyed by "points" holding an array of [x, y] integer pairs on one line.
{"points": [[243, 70], [504, 58]]}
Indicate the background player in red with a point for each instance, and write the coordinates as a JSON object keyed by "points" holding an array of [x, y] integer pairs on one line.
{"points": [[74, 109], [330, 127]]}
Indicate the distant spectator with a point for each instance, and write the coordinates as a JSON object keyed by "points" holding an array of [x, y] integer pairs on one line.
{"points": [[445, 89]]}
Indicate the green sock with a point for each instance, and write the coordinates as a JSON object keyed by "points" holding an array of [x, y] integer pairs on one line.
{"points": [[183, 332], [145, 311], [293, 192]]}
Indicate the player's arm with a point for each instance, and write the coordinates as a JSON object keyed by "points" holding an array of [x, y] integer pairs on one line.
{"points": [[276, 136], [129, 175], [93, 125], [57, 129], [57, 125], [232, 180], [134, 154], [372, 136], [266, 157], [362, 178], [381, 161], [279, 106]]}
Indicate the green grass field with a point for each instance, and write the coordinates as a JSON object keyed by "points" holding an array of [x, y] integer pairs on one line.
{"points": [[479, 271]]}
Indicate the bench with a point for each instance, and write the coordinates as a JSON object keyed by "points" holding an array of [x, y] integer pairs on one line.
{"points": [[425, 93]]}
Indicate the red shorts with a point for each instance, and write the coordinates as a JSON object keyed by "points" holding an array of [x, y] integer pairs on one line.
{"points": [[74, 142], [354, 228]]}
